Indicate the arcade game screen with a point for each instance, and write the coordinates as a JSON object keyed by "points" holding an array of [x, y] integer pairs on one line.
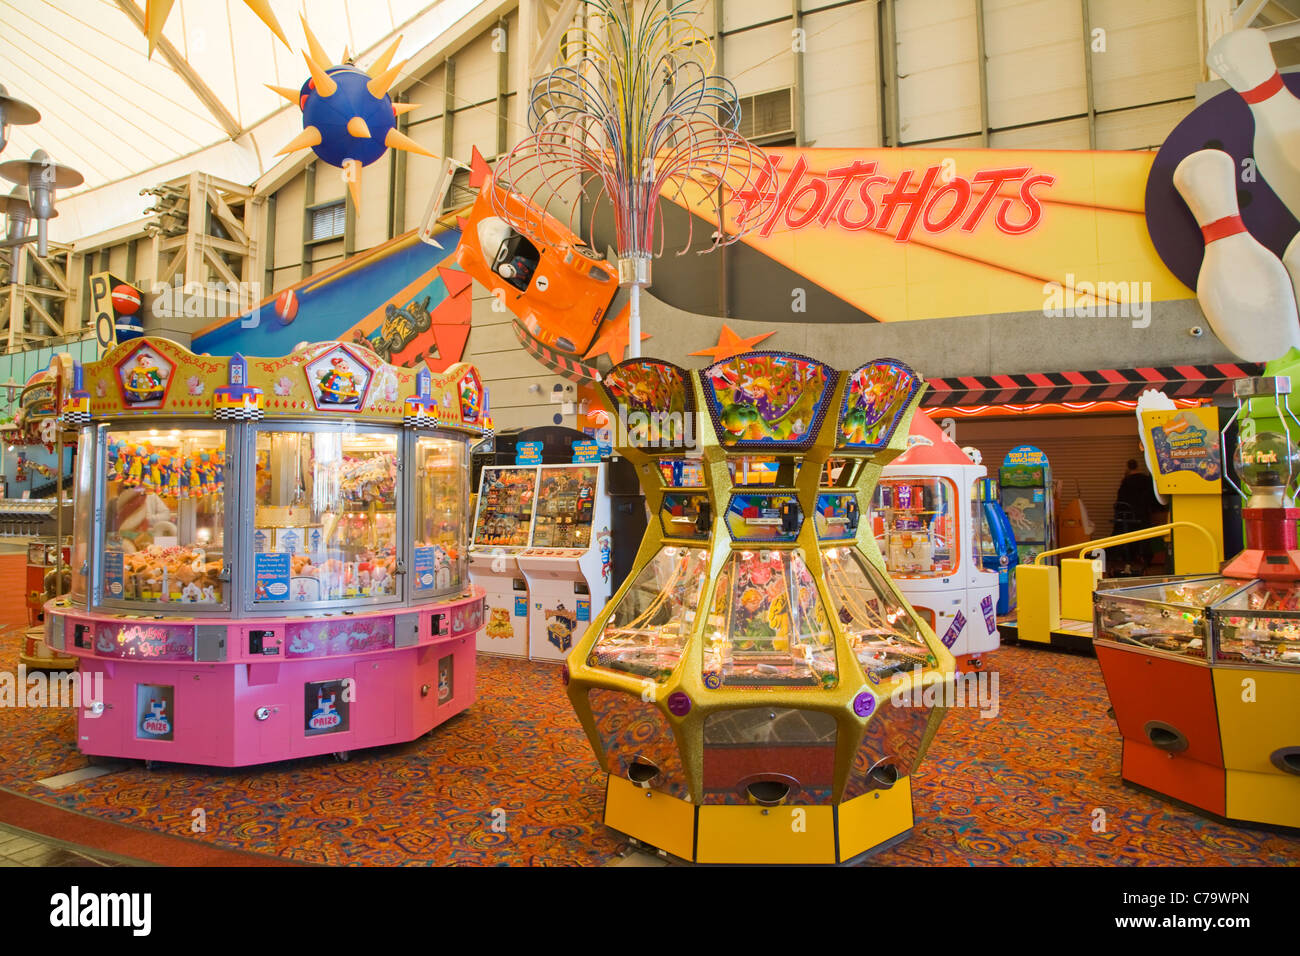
{"points": [[505, 507], [915, 527], [565, 501]]}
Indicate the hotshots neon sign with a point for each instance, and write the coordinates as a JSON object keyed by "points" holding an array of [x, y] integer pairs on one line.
{"points": [[856, 196]]}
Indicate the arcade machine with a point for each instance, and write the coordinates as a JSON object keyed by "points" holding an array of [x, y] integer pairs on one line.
{"points": [[758, 667], [926, 530], [503, 527], [996, 542], [268, 578], [1028, 500], [1203, 671], [567, 565]]}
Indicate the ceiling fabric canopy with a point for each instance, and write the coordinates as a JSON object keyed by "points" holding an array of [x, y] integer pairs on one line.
{"points": [[113, 112]]}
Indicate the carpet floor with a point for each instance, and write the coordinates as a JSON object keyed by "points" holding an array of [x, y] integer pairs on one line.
{"points": [[1021, 788]]}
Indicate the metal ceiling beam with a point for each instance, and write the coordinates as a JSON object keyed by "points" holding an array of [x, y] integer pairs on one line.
{"points": [[186, 73]]}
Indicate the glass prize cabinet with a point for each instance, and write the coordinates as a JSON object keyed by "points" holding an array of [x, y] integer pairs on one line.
{"points": [[1203, 672], [758, 656], [258, 537]]}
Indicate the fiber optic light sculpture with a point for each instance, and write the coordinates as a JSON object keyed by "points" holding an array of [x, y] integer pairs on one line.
{"points": [[348, 118], [758, 690], [635, 116]]}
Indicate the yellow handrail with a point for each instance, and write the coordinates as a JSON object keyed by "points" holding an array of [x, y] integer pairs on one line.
{"points": [[1127, 537]]}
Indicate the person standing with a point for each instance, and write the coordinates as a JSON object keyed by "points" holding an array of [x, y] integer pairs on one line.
{"points": [[1135, 503]]}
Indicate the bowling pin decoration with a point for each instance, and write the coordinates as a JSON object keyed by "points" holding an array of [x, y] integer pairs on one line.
{"points": [[1244, 290], [1243, 58]]}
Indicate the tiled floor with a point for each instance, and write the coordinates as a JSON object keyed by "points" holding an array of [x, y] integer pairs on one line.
{"points": [[20, 848]]}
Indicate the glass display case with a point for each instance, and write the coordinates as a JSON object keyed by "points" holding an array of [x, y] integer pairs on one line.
{"points": [[1239, 622], [914, 527], [647, 632], [323, 517], [327, 501], [884, 637], [505, 507], [441, 498], [564, 508], [767, 626], [164, 527]]}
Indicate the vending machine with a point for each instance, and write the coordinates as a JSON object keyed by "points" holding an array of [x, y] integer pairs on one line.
{"points": [[567, 565], [1027, 498], [996, 542], [503, 528], [926, 529]]}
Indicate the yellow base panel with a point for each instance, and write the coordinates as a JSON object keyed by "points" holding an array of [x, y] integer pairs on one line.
{"points": [[871, 819], [736, 834], [1259, 712], [781, 835], [1038, 602], [1272, 798], [655, 818]]}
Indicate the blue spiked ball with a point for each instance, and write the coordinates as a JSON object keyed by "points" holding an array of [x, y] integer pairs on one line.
{"points": [[332, 114]]}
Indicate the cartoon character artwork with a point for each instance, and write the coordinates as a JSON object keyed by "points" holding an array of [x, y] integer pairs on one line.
{"points": [[338, 386], [606, 552], [560, 625], [1019, 513], [155, 722], [326, 714], [144, 376], [766, 398], [338, 380], [471, 398], [446, 679], [874, 402], [144, 380], [654, 399], [498, 625]]}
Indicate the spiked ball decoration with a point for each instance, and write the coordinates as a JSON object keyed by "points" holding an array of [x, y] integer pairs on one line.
{"points": [[348, 118]]}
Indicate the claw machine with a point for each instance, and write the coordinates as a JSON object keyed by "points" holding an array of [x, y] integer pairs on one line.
{"points": [[926, 527], [261, 579], [567, 566]]}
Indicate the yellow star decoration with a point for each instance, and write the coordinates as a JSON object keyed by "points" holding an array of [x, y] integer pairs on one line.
{"points": [[729, 344], [613, 339]]}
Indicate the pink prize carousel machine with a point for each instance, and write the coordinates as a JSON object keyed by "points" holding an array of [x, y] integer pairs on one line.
{"points": [[277, 552]]}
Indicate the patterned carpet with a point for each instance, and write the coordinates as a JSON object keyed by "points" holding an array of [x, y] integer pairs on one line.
{"points": [[1018, 789]]}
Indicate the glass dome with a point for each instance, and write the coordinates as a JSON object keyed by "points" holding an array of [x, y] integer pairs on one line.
{"points": [[1266, 461]]}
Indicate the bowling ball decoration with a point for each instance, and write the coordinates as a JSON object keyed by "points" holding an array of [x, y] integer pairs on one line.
{"points": [[286, 307], [348, 118], [126, 299], [1224, 122]]}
